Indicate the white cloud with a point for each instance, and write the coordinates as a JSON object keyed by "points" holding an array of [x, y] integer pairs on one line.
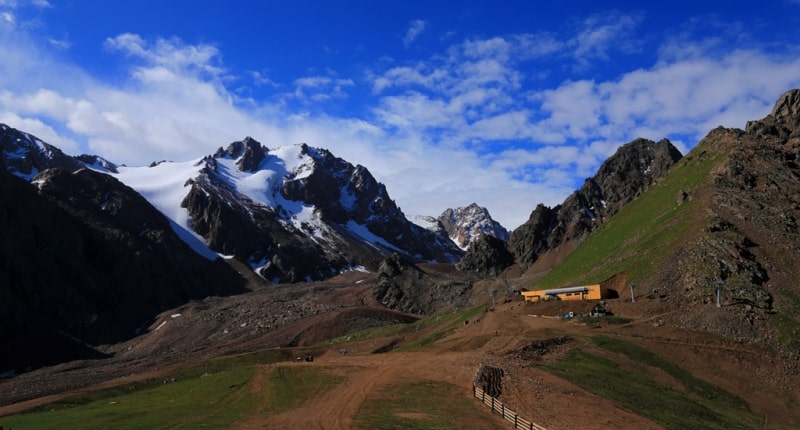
{"points": [[601, 33], [60, 43], [414, 29], [469, 124], [9, 17], [464, 99], [260, 79], [470, 99], [320, 88], [14, 4], [172, 54]]}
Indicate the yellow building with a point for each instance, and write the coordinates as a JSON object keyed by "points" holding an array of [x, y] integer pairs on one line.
{"points": [[585, 292]]}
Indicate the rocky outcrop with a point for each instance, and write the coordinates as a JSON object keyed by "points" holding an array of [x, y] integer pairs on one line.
{"points": [[488, 255], [490, 380], [97, 163], [624, 176], [466, 225], [403, 286], [252, 155], [786, 109]]}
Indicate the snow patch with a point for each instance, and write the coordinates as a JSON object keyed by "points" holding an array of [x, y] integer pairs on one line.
{"points": [[425, 221], [295, 161], [101, 165], [369, 237], [357, 268], [164, 187]]}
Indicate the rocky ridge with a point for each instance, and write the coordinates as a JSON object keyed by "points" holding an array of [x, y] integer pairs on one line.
{"points": [[322, 215], [748, 246], [625, 175]]}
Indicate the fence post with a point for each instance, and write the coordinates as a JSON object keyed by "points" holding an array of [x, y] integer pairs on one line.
{"points": [[503, 410]]}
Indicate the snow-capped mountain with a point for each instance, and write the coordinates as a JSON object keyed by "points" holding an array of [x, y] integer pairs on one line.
{"points": [[465, 225], [294, 213]]}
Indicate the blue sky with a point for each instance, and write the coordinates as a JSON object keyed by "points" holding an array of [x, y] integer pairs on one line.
{"points": [[504, 103]]}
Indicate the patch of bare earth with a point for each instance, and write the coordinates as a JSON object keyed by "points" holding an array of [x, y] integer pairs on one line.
{"points": [[764, 379]]}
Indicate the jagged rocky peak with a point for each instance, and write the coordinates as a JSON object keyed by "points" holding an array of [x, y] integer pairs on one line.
{"points": [[626, 174], [622, 177], [787, 106], [252, 156], [249, 153], [783, 121], [431, 224], [465, 225], [26, 155]]}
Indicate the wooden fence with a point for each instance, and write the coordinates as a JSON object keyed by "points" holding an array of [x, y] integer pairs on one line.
{"points": [[509, 415]]}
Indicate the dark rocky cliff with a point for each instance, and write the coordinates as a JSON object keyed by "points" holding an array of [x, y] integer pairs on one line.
{"points": [[624, 176], [85, 260], [487, 255]]}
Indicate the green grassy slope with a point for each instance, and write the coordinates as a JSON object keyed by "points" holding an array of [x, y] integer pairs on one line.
{"points": [[409, 406], [642, 236], [697, 405], [213, 395]]}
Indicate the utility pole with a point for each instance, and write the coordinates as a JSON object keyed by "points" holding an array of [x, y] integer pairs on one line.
{"points": [[718, 283], [633, 298]]}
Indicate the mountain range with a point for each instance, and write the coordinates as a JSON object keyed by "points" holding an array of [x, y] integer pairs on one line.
{"points": [[91, 250]]}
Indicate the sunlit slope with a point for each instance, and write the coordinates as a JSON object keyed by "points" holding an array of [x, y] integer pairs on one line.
{"points": [[643, 238], [718, 238]]}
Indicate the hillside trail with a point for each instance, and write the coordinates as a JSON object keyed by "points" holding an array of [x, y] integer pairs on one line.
{"points": [[455, 359]]}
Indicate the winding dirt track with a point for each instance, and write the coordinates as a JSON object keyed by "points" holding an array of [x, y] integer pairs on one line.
{"points": [[533, 393], [455, 360]]}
